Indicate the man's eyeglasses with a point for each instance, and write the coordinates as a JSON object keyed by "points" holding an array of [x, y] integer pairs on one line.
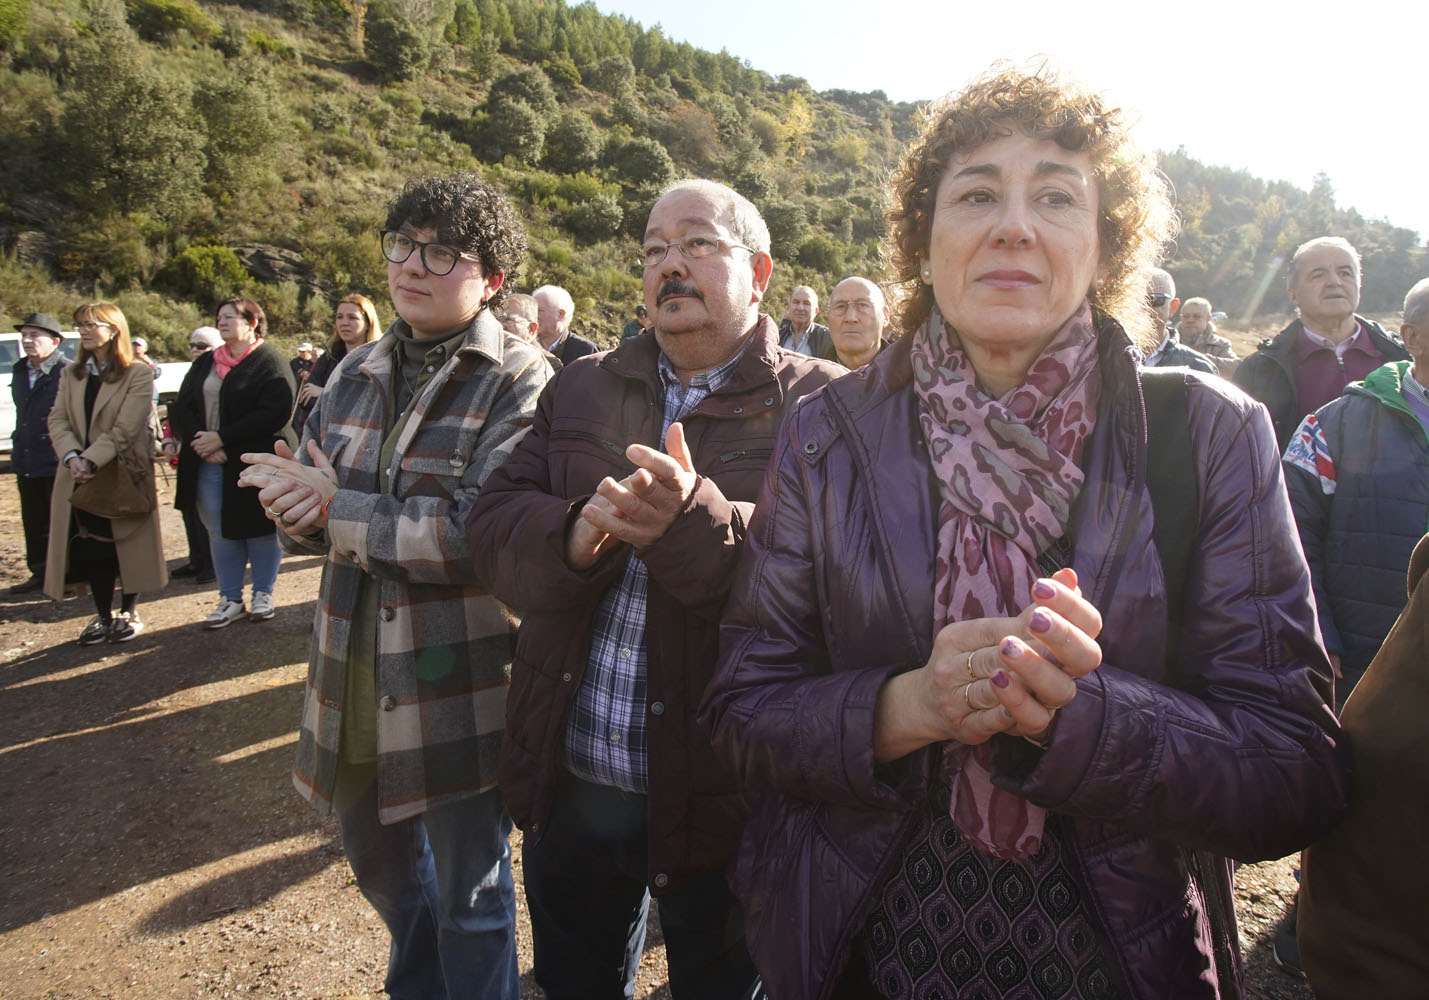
{"points": [[437, 258], [1157, 299], [92, 324], [694, 246]]}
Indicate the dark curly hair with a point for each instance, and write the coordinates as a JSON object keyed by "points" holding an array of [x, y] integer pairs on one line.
{"points": [[469, 214], [1135, 219]]}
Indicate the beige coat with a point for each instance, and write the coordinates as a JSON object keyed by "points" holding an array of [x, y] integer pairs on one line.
{"points": [[121, 423]]}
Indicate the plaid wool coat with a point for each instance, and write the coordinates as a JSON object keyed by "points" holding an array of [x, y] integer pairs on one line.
{"points": [[444, 645]]}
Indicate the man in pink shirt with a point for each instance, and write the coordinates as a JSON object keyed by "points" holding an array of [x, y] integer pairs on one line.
{"points": [[1329, 346]]}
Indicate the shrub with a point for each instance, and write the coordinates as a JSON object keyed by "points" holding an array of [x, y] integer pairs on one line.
{"points": [[562, 70], [573, 144], [822, 254], [597, 219], [511, 127], [529, 85], [395, 48], [14, 18], [202, 273], [788, 226], [613, 75], [641, 161], [164, 21]]}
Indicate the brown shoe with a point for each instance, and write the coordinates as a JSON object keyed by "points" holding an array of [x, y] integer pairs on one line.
{"points": [[34, 583]]}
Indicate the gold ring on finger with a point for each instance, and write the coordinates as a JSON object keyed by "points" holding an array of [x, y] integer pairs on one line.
{"points": [[972, 674], [967, 697]]}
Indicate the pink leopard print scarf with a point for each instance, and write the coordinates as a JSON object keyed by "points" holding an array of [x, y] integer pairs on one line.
{"points": [[1009, 474]]}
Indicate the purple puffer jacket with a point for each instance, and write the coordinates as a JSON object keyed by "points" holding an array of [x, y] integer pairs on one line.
{"points": [[1232, 752]]}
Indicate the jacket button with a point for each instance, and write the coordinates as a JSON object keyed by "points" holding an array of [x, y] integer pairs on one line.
{"points": [[388, 703], [566, 678], [657, 708], [739, 409], [388, 614], [811, 447], [456, 459], [662, 880]]}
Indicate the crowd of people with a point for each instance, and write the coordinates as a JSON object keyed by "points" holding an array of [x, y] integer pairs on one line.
{"points": [[971, 673]]}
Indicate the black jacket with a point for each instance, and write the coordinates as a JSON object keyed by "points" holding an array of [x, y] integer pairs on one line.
{"points": [[572, 347], [255, 405], [1269, 374], [1178, 355], [33, 455]]}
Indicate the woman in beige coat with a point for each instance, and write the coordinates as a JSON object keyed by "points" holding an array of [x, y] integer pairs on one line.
{"points": [[101, 415]]}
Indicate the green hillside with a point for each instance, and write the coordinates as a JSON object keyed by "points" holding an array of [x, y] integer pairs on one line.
{"points": [[165, 153]]}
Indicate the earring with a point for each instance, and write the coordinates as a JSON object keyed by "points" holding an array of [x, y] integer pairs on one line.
{"points": [[927, 273]]}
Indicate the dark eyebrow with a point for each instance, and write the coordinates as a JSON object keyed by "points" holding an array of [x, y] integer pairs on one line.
{"points": [[1044, 168]]}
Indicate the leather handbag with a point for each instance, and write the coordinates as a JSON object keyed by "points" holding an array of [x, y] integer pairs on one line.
{"points": [[121, 488]]}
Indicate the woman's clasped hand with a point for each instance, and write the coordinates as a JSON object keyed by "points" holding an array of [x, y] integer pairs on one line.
{"points": [[293, 495]]}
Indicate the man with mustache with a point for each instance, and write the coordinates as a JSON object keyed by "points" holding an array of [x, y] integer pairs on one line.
{"points": [[1311, 361], [614, 530]]}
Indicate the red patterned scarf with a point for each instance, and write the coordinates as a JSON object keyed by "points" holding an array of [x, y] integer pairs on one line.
{"points": [[1009, 474], [224, 361]]}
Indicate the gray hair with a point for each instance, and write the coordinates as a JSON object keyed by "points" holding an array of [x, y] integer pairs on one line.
{"points": [[813, 295], [559, 297], [1157, 275], [1416, 303], [1199, 300], [1321, 241], [521, 304], [741, 217]]}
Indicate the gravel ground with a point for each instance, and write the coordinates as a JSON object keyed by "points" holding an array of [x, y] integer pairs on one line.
{"points": [[153, 845]]}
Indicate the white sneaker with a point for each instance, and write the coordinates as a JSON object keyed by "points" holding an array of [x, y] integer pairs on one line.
{"points": [[262, 607], [225, 614]]}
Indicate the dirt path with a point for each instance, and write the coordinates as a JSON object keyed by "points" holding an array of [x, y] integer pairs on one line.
{"points": [[153, 846]]}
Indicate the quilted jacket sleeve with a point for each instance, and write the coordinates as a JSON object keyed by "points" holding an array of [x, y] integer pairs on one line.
{"points": [[780, 717], [1243, 757]]}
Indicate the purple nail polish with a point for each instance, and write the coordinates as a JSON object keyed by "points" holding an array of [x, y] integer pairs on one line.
{"points": [[1011, 648], [1001, 679], [1040, 621], [1044, 590]]}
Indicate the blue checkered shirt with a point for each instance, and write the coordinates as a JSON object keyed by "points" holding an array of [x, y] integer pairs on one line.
{"points": [[605, 736]]}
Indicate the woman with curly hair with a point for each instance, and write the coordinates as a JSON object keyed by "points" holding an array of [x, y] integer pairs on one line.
{"points": [[101, 416], [354, 323], [1006, 722], [405, 701]]}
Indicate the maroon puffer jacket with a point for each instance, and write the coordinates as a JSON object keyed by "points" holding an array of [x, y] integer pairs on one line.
{"points": [[587, 416], [1233, 752]]}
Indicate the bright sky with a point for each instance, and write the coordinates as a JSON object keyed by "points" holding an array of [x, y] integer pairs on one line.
{"points": [[1332, 89]]}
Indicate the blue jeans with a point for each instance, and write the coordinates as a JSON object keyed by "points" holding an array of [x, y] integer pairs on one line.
{"points": [[442, 884], [586, 892], [232, 556]]}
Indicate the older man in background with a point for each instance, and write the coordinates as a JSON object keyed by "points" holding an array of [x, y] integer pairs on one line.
{"points": [[1311, 361], [858, 315], [798, 332], [520, 318], [554, 309], [1161, 302], [33, 385], [615, 529], [1196, 330]]}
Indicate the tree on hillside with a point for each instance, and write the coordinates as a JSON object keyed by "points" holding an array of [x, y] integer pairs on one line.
{"points": [[128, 138]]}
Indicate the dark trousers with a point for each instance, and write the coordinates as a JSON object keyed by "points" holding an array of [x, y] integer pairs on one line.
{"points": [[586, 892], [35, 516], [200, 555]]}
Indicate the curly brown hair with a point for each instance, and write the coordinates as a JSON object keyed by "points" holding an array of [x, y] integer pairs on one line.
{"points": [[470, 214], [1135, 219]]}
